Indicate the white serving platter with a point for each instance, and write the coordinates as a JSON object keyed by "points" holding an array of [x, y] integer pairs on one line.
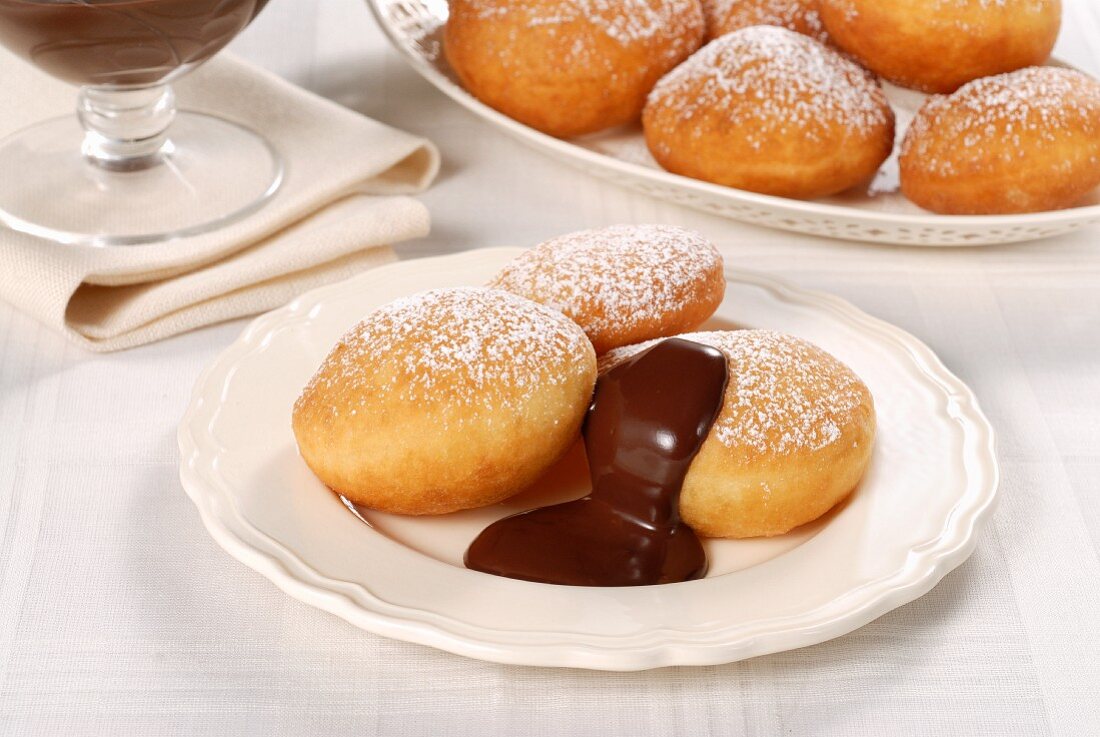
{"points": [[878, 213], [930, 488]]}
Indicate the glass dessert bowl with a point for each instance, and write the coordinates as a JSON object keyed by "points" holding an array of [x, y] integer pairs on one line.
{"points": [[129, 168]]}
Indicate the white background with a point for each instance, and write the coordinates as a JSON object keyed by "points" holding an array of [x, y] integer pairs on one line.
{"points": [[118, 615]]}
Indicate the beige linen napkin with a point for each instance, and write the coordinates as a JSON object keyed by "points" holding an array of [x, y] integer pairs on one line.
{"points": [[341, 204]]}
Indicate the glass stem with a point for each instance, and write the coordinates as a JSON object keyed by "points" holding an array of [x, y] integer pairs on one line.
{"points": [[126, 129]]}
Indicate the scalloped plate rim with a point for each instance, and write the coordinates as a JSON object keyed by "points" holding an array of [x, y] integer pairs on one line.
{"points": [[657, 647]]}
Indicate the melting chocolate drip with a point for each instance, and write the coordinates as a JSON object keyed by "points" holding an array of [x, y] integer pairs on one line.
{"points": [[648, 419]]}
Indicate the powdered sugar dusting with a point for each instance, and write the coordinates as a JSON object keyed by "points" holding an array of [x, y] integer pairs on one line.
{"points": [[1003, 119], [626, 22], [767, 80], [468, 346], [724, 16], [616, 278], [784, 394]]}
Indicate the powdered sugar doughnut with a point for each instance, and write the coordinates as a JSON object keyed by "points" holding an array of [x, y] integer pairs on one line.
{"points": [[1020, 142], [726, 16], [937, 45], [446, 400], [568, 67], [623, 284], [793, 438], [770, 110]]}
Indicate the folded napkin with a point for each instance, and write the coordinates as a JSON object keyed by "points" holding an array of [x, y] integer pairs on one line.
{"points": [[342, 202]]}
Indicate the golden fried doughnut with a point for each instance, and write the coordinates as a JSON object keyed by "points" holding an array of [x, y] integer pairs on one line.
{"points": [[769, 110], [726, 16], [446, 400], [1019, 142], [793, 438], [568, 67], [623, 284], [937, 45]]}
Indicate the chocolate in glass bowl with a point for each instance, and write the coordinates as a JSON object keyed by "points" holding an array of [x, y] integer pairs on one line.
{"points": [[140, 170], [121, 42]]}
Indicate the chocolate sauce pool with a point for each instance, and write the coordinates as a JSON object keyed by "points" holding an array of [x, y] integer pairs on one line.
{"points": [[648, 419]]}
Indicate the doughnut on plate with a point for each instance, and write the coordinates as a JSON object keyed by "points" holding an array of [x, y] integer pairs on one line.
{"points": [[916, 515], [877, 212]]}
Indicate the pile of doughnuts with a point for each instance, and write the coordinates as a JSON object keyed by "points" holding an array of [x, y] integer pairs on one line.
{"points": [[784, 99], [462, 397]]}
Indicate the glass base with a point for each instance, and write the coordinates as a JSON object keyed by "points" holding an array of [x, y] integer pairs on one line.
{"points": [[212, 173]]}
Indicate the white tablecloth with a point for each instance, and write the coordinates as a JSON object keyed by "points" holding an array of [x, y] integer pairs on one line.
{"points": [[119, 615]]}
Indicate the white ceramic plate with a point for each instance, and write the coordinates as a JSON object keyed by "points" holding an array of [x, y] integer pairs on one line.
{"points": [[929, 489], [878, 214]]}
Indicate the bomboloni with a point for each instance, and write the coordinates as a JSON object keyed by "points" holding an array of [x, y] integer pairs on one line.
{"points": [[569, 67], [769, 110], [793, 438], [623, 284], [938, 45], [1026, 141], [446, 400]]}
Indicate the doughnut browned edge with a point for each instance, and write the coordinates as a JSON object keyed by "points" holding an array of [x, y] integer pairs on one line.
{"points": [[793, 438], [1026, 141], [768, 110], [446, 400], [565, 67], [938, 45]]}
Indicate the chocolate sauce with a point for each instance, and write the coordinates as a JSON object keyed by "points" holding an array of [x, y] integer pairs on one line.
{"points": [[648, 419], [121, 42]]}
